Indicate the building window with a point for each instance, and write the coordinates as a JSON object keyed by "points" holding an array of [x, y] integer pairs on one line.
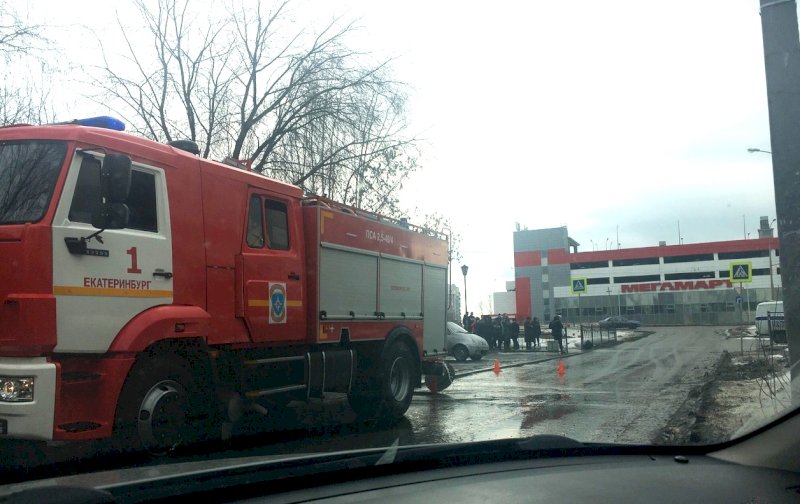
{"points": [[688, 258], [635, 262], [760, 271], [637, 278], [743, 255], [689, 276], [597, 281], [589, 264]]}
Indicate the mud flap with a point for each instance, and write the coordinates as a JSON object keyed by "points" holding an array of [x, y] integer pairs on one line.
{"points": [[438, 375]]}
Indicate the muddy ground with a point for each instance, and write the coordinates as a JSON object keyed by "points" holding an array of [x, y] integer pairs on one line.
{"points": [[745, 390]]}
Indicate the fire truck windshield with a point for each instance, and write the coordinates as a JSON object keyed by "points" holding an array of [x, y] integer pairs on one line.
{"points": [[28, 173]]}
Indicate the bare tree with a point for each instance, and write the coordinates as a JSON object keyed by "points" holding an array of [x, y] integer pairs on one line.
{"points": [[300, 107], [24, 96]]}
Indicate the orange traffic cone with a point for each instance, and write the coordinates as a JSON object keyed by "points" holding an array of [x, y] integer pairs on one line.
{"points": [[561, 370], [497, 366]]}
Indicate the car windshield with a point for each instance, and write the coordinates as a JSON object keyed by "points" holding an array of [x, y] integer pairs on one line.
{"points": [[455, 328], [308, 196]]}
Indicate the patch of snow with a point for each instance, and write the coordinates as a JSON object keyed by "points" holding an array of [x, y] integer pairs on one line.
{"points": [[749, 404]]}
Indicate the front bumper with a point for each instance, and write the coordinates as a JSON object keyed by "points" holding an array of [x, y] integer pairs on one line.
{"points": [[29, 420]]}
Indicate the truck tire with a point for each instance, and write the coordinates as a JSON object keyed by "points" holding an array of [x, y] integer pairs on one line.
{"points": [[161, 408], [387, 398]]}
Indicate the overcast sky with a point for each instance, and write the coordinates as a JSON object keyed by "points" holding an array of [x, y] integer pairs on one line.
{"points": [[594, 115]]}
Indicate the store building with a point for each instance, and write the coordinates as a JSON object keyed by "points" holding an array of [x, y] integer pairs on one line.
{"points": [[668, 284]]}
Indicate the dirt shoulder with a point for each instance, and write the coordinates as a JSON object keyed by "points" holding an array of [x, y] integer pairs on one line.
{"points": [[741, 392]]}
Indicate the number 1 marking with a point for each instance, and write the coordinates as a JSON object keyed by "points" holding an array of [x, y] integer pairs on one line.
{"points": [[134, 261]]}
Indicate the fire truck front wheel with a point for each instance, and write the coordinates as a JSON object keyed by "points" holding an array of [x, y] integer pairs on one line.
{"points": [[159, 408], [388, 396]]}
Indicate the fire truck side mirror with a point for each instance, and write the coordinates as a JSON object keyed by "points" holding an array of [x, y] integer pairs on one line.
{"points": [[111, 216], [117, 174], [115, 184]]}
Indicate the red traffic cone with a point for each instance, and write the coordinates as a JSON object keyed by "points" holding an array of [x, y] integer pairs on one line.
{"points": [[561, 369], [497, 366]]}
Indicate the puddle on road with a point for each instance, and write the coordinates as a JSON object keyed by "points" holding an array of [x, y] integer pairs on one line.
{"points": [[539, 407]]}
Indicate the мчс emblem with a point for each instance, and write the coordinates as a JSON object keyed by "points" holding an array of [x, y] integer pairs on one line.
{"points": [[277, 303]]}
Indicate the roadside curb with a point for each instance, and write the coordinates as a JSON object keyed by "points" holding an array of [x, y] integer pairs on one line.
{"points": [[516, 364]]}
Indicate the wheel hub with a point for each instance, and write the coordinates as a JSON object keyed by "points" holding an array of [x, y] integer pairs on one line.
{"points": [[399, 379], [162, 417]]}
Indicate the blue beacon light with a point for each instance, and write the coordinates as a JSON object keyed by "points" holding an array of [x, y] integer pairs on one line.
{"points": [[101, 122]]}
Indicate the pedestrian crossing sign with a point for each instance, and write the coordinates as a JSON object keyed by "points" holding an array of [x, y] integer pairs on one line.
{"points": [[741, 272], [578, 285]]}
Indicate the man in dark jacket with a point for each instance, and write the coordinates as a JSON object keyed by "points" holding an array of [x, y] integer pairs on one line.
{"points": [[536, 332], [497, 329], [528, 333], [515, 333], [557, 329], [505, 331]]}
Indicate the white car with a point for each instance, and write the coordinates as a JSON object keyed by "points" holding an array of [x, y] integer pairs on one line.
{"points": [[462, 344], [769, 316]]}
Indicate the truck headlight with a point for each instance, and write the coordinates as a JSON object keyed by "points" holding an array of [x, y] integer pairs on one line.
{"points": [[16, 388]]}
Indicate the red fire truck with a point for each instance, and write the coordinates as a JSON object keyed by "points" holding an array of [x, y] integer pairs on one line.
{"points": [[153, 295]]}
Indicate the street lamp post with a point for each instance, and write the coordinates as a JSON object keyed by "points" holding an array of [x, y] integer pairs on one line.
{"points": [[769, 253], [464, 270]]}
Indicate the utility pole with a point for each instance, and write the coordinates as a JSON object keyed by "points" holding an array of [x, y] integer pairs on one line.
{"points": [[464, 270], [782, 66]]}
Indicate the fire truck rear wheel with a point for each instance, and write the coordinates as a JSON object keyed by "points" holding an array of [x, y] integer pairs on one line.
{"points": [[160, 408], [394, 390]]}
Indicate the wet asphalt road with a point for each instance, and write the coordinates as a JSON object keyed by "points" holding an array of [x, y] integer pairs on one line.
{"points": [[624, 393]]}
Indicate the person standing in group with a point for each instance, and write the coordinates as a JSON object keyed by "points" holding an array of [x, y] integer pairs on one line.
{"points": [[528, 333], [536, 333], [465, 321], [505, 326], [515, 333], [557, 329], [497, 330]]}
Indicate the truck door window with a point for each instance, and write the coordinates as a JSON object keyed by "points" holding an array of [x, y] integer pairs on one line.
{"points": [[86, 198], [141, 199], [142, 202], [255, 226], [277, 225]]}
